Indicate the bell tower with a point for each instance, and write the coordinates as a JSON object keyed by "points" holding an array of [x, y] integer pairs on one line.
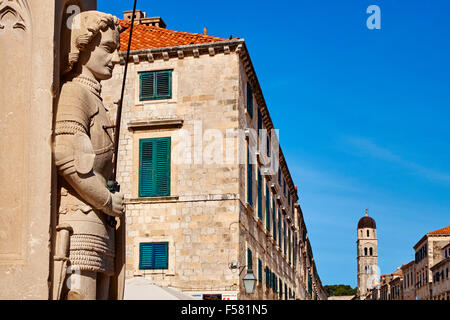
{"points": [[367, 255]]}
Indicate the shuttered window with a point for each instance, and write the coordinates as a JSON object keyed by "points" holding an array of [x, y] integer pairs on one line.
{"points": [[155, 85], [260, 271], [249, 179], [274, 222], [249, 259], [249, 100], [153, 255], [279, 227], [267, 207], [260, 211], [289, 244], [154, 167], [259, 121]]}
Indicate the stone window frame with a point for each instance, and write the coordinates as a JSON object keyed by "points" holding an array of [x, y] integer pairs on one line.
{"points": [[170, 271], [143, 67]]}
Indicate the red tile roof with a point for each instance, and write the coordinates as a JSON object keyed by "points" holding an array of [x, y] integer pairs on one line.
{"points": [[148, 37], [445, 230]]}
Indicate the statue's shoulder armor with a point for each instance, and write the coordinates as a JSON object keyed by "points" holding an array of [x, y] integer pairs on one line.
{"points": [[76, 103]]}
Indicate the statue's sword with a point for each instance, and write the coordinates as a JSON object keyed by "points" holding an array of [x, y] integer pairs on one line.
{"points": [[118, 280]]}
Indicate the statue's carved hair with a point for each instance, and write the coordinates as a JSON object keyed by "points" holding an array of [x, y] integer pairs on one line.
{"points": [[85, 27]]}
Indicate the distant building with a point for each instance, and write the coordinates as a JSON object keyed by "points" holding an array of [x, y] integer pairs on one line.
{"points": [[396, 285], [409, 282], [196, 219], [367, 255], [441, 277], [428, 252]]}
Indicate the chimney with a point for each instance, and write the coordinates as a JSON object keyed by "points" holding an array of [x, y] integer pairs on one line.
{"points": [[205, 31], [128, 15], [141, 18]]}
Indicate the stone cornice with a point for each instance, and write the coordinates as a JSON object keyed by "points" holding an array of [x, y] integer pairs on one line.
{"points": [[180, 52], [253, 79]]}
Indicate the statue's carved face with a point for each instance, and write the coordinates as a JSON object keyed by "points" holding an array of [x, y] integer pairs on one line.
{"points": [[102, 55]]}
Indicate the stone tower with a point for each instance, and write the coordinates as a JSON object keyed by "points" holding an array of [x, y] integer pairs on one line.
{"points": [[367, 255]]}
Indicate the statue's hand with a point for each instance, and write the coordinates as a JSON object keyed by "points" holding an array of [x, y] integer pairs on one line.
{"points": [[116, 208]]}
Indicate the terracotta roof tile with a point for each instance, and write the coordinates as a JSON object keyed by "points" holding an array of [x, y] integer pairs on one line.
{"points": [[445, 230], [148, 37]]}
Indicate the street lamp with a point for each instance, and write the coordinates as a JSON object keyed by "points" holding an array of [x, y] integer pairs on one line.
{"points": [[249, 282]]}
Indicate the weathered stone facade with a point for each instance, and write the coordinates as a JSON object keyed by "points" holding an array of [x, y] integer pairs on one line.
{"points": [[441, 276], [32, 44], [409, 281], [208, 220]]}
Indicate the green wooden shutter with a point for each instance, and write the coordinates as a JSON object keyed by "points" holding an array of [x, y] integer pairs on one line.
{"points": [[289, 244], [279, 227], [274, 222], [154, 167], [284, 237], [260, 212], [249, 179], [249, 259], [249, 100], [154, 255], [164, 84], [155, 85], [147, 86], [267, 208], [260, 271], [259, 121]]}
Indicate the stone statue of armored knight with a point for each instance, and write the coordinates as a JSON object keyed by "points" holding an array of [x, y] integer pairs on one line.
{"points": [[83, 153]]}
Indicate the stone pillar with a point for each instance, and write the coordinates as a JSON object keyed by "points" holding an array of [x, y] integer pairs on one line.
{"points": [[30, 37]]}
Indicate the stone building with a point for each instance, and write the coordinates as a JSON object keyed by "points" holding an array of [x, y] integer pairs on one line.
{"points": [[409, 282], [396, 285], [367, 255], [429, 251], [441, 279], [209, 193], [385, 289]]}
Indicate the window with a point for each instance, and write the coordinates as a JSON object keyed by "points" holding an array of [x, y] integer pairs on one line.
{"points": [[260, 271], [259, 121], [249, 179], [153, 255], [249, 100], [365, 251], [155, 85], [267, 207], [249, 259], [260, 211], [279, 176], [274, 223], [268, 145], [279, 227], [284, 237], [370, 251], [154, 167], [368, 233]]}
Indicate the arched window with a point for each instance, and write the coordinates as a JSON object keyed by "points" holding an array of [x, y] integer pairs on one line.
{"points": [[365, 251], [368, 232], [371, 251]]}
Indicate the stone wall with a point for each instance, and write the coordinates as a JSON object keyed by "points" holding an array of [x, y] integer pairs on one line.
{"points": [[29, 42]]}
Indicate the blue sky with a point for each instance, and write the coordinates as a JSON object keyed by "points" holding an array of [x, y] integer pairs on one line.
{"points": [[363, 114]]}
